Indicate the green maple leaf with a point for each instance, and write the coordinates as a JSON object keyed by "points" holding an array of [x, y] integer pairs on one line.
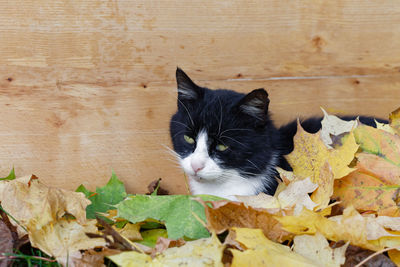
{"points": [[105, 197], [182, 215]]}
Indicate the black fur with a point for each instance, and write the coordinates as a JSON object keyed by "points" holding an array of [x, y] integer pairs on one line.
{"points": [[239, 121]]}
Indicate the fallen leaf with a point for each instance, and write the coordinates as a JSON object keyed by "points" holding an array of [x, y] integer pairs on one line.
{"points": [[225, 215], [332, 125], [373, 187], [35, 205], [322, 195], [105, 197], [394, 255], [385, 127], [182, 215], [362, 231], [130, 231], [165, 243], [201, 252], [310, 155], [151, 236], [296, 195], [394, 120], [260, 251], [64, 238], [316, 248]]}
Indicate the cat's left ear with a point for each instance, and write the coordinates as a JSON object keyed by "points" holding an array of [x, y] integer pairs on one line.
{"points": [[255, 104], [187, 89]]}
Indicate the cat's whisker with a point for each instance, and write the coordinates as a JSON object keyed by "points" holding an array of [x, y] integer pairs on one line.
{"points": [[253, 164], [233, 139], [220, 119], [178, 122], [235, 129], [190, 117]]}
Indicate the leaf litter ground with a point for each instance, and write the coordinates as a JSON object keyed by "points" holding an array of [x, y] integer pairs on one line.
{"points": [[339, 206]]}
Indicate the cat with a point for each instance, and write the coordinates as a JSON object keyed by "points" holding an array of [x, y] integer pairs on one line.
{"points": [[226, 142]]}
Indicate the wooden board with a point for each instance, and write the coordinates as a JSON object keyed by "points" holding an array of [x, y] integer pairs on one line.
{"points": [[77, 133], [87, 86]]}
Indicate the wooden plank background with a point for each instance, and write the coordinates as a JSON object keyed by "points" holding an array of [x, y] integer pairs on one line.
{"points": [[87, 86]]}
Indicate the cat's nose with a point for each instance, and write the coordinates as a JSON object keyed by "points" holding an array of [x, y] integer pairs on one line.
{"points": [[197, 165]]}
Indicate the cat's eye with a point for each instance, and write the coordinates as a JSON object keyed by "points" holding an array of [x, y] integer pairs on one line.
{"points": [[188, 139], [221, 147]]}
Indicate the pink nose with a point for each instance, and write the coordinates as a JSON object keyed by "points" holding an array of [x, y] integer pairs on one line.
{"points": [[197, 165]]}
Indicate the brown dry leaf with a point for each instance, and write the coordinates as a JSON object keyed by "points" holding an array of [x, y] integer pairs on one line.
{"points": [[354, 255], [310, 155], [394, 120], [92, 258], [201, 252], [36, 205], [362, 231], [316, 248], [259, 251], [6, 243], [225, 215], [64, 238]]}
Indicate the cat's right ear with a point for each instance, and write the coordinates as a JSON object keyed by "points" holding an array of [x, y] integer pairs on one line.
{"points": [[187, 89]]}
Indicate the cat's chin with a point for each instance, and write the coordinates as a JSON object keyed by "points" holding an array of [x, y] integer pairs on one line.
{"points": [[200, 179]]}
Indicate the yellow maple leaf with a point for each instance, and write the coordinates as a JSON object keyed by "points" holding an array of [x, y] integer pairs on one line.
{"points": [[260, 251], [310, 155], [363, 231], [130, 231], [201, 252]]}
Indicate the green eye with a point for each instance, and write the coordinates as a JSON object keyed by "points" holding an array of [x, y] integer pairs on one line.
{"points": [[188, 139], [221, 147]]}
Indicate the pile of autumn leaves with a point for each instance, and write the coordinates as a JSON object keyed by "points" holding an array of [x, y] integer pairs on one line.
{"points": [[344, 191]]}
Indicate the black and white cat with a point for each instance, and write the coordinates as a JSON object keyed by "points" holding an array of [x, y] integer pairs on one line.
{"points": [[227, 143]]}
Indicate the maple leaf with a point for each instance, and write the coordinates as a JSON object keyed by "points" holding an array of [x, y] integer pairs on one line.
{"points": [[105, 197], [260, 251], [201, 252], [182, 215], [375, 185], [310, 154], [363, 231]]}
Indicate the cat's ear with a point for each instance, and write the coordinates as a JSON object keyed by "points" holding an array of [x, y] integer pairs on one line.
{"points": [[187, 89], [255, 104]]}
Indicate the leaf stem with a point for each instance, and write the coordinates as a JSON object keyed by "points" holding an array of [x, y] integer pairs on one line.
{"points": [[375, 254]]}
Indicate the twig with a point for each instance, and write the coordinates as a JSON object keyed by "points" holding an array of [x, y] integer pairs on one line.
{"points": [[16, 256], [374, 254]]}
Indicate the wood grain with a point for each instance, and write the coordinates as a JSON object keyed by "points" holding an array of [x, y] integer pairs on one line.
{"points": [[88, 86], [77, 133]]}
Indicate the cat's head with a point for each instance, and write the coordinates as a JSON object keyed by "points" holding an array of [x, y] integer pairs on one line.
{"points": [[222, 134]]}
